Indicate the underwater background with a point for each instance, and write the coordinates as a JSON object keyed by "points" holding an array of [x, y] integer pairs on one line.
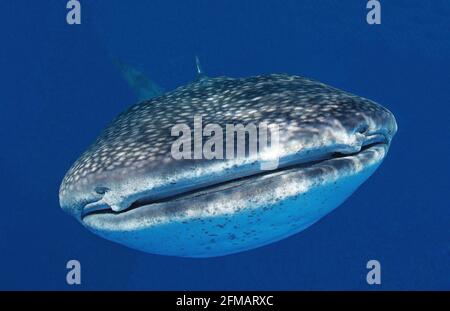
{"points": [[59, 88]]}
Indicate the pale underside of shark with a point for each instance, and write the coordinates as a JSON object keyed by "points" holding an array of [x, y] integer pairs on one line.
{"points": [[127, 188]]}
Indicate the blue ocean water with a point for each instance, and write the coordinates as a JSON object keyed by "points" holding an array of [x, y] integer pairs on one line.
{"points": [[59, 89]]}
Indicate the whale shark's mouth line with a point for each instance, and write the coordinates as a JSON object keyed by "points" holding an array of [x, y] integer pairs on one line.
{"points": [[223, 185]]}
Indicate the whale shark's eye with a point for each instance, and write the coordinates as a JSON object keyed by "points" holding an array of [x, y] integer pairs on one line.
{"points": [[363, 128], [101, 190]]}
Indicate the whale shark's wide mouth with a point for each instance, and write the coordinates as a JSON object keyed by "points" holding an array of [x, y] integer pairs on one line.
{"points": [[371, 142]]}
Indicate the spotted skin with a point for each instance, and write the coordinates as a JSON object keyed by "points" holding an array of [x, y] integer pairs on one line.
{"points": [[132, 158]]}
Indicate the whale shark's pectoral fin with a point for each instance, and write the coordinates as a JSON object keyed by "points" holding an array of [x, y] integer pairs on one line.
{"points": [[139, 83]]}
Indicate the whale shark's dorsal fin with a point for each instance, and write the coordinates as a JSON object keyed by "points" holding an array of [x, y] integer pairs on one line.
{"points": [[200, 74], [143, 87]]}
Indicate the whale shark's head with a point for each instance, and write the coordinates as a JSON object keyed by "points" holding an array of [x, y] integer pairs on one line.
{"points": [[128, 186]]}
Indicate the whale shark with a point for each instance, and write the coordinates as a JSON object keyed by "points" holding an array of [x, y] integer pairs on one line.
{"points": [[127, 188]]}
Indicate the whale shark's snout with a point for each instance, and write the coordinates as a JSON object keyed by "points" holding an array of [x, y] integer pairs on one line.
{"points": [[129, 188]]}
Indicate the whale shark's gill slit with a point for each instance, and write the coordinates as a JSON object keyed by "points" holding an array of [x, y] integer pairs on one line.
{"points": [[220, 186]]}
